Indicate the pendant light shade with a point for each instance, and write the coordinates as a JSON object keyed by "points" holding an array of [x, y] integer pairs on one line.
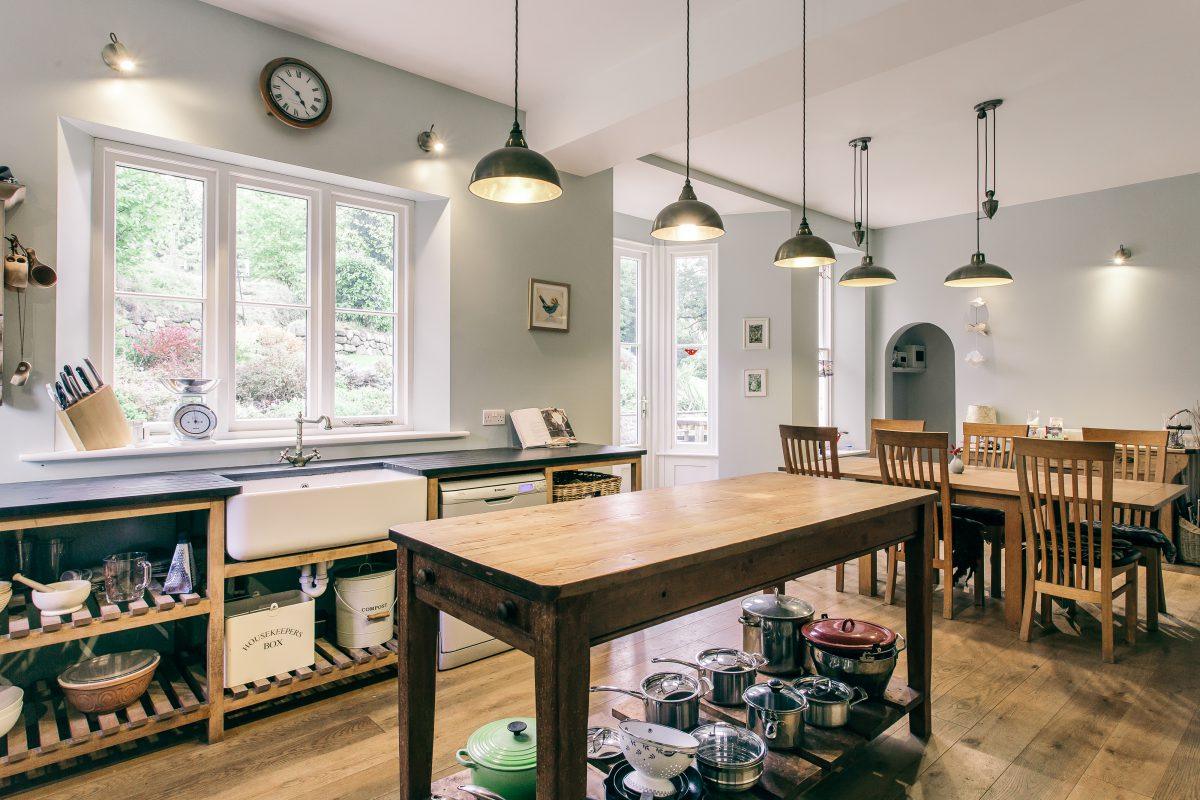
{"points": [[805, 249], [979, 273], [687, 219], [514, 173], [867, 273]]}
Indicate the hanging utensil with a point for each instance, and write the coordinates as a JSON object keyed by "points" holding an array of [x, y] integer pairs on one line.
{"points": [[41, 273], [24, 368]]}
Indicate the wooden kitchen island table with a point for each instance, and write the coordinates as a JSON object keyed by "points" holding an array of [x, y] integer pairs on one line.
{"points": [[555, 580]]}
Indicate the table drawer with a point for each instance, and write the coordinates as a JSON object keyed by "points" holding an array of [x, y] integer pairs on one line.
{"points": [[488, 606]]}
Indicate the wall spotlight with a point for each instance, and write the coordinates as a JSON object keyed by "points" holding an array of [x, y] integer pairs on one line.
{"points": [[430, 142], [117, 56], [1122, 255]]}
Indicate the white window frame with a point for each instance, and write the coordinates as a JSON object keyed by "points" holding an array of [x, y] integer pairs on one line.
{"points": [[219, 261], [644, 255], [666, 306]]}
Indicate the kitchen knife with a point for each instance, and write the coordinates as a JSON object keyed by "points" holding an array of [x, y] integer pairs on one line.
{"points": [[96, 381], [83, 378], [53, 396], [65, 380], [63, 402], [75, 387]]}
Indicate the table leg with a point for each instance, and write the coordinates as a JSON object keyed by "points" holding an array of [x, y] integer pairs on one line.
{"points": [[635, 475], [416, 670], [1166, 524], [1153, 561], [867, 583], [1014, 589], [919, 619], [562, 670]]}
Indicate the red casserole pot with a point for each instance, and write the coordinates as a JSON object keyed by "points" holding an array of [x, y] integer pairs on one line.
{"points": [[851, 638]]}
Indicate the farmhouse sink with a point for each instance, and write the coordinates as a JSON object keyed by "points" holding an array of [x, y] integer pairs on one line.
{"points": [[280, 513]]}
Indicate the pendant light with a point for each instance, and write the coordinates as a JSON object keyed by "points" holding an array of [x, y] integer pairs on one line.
{"points": [[514, 173], [867, 273], [688, 219], [804, 249], [979, 272]]}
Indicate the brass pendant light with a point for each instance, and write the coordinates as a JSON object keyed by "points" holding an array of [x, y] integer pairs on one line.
{"points": [[868, 273], [979, 272], [804, 249], [514, 173], [688, 219]]}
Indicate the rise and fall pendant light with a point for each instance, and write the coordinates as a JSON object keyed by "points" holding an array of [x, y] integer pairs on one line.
{"points": [[514, 173], [979, 272], [868, 273], [805, 249], [688, 219]]}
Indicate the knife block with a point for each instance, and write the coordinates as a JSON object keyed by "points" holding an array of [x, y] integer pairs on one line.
{"points": [[96, 422]]}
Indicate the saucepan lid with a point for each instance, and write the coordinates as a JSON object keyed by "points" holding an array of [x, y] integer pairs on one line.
{"points": [[849, 635], [725, 745], [775, 695], [671, 687], [727, 659], [777, 606]]}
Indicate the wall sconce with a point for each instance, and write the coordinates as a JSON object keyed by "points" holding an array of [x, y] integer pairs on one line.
{"points": [[117, 56], [1122, 255], [430, 142]]}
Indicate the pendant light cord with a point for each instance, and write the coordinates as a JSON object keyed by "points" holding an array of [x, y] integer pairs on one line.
{"points": [[687, 91], [866, 154], [976, 189], [516, 56], [804, 110]]}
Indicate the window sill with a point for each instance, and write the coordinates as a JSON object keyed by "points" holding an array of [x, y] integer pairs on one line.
{"points": [[166, 449]]}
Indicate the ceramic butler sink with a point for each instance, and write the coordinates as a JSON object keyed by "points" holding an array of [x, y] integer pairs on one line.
{"points": [[285, 513]]}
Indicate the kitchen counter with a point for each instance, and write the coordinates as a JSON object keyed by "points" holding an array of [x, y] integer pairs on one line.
{"points": [[47, 497]]}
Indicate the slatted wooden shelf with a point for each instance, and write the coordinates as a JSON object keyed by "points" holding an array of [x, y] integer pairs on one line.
{"points": [[333, 663], [23, 626], [235, 568], [50, 730]]}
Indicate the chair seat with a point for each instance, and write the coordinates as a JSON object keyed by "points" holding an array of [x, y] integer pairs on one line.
{"points": [[990, 517], [1123, 553], [1144, 536], [968, 546]]}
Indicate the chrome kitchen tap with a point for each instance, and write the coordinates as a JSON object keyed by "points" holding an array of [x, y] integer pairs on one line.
{"points": [[299, 458]]}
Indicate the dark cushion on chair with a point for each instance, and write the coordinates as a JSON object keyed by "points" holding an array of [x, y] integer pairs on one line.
{"points": [[1122, 553], [1143, 537], [991, 517], [968, 546]]}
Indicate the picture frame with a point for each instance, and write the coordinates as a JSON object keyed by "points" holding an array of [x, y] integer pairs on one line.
{"points": [[549, 306], [754, 383], [756, 333]]}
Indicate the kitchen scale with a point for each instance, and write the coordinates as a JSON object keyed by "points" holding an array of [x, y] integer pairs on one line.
{"points": [[192, 420]]}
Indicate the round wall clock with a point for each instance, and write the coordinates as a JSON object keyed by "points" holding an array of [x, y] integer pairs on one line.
{"points": [[295, 93]]}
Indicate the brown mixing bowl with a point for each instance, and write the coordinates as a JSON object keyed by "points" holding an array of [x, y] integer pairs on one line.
{"points": [[89, 688]]}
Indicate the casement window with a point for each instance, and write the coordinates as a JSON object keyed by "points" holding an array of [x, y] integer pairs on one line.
{"points": [[631, 265], [292, 292], [825, 346], [692, 273]]}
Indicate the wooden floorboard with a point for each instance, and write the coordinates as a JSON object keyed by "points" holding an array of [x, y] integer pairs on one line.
{"points": [[1043, 719]]}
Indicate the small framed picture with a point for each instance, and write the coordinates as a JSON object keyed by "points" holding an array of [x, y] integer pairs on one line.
{"points": [[756, 333], [754, 382], [549, 306]]}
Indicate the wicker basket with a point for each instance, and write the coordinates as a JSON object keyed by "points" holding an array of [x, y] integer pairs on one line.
{"points": [[1189, 542], [577, 484]]}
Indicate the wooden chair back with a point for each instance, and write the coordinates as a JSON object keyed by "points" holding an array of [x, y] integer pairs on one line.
{"points": [[921, 460], [809, 450], [1066, 491], [990, 445], [1139, 456], [911, 425]]}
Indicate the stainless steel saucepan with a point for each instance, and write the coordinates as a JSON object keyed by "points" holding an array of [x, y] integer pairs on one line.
{"points": [[730, 671], [668, 698]]}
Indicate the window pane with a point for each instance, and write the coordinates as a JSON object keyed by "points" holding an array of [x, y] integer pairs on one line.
{"points": [[272, 247], [364, 365], [366, 259], [629, 300], [270, 362], [159, 227], [691, 300], [154, 339], [691, 395], [630, 394]]}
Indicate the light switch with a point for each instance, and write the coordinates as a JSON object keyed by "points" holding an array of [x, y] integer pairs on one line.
{"points": [[493, 416]]}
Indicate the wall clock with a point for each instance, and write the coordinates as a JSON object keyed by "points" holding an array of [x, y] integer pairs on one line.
{"points": [[295, 93]]}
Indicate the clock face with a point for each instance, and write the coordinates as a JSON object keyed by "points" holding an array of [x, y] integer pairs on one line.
{"points": [[195, 421], [295, 93]]}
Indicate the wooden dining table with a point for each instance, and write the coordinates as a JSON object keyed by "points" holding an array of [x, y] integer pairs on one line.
{"points": [[997, 488], [555, 580]]}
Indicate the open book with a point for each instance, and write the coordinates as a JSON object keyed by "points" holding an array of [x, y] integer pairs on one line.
{"points": [[542, 427]]}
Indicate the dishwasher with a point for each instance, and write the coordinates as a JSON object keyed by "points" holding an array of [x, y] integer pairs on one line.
{"points": [[458, 642]]}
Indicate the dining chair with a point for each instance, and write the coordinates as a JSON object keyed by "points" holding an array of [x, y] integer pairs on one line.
{"points": [[1066, 496], [1141, 456], [884, 424], [990, 445], [811, 450], [921, 460]]}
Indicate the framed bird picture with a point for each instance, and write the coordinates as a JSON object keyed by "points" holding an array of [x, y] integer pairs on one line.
{"points": [[549, 306]]}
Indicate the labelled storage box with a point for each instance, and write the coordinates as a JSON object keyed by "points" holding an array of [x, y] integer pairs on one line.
{"points": [[268, 635]]}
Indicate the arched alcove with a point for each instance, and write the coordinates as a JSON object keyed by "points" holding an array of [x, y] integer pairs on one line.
{"points": [[922, 392]]}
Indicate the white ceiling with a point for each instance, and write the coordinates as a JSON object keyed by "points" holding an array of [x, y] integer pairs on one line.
{"points": [[1095, 90], [643, 189]]}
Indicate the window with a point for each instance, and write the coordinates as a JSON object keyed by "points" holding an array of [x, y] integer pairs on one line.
{"points": [[292, 292], [693, 283], [630, 265], [825, 346]]}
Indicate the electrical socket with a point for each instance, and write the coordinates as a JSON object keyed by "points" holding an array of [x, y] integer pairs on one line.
{"points": [[493, 416]]}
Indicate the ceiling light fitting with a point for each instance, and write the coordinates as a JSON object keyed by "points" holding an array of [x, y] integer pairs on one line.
{"points": [[978, 272], [514, 173], [117, 55], [804, 249], [1122, 255], [867, 273], [430, 142], [687, 219]]}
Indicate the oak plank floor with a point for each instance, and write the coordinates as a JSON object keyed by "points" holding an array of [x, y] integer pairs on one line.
{"points": [[1041, 720]]}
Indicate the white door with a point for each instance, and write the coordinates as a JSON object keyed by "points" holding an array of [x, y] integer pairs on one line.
{"points": [[631, 420]]}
